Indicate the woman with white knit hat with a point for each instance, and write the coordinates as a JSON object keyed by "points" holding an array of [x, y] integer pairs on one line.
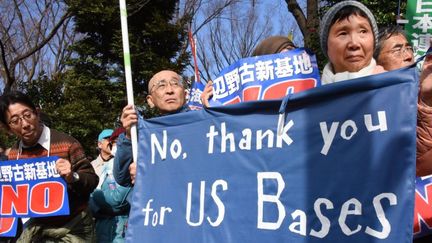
{"points": [[348, 36]]}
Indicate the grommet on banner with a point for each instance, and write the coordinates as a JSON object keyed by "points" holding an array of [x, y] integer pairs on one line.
{"points": [[281, 120]]}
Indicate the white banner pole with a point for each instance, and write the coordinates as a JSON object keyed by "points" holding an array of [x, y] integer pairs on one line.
{"points": [[128, 73]]}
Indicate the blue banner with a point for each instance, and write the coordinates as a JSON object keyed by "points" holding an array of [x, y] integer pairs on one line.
{"points": [[195, 91], [331, 164], [266, 77], [30, 188]]}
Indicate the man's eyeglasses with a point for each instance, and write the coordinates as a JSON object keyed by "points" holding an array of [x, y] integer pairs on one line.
{"points": [[161, 85], [398, 52], [27, 115]]}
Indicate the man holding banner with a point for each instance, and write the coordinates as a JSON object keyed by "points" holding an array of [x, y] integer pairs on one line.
{"points": [[166, 94], [20, 116]]}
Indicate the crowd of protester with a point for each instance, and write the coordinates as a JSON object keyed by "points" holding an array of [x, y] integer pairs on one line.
{"points": [[99, 190]]}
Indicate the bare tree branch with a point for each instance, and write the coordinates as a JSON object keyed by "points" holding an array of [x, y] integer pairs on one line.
{"points": [[300, 17], [4, 63], [216, 13], [44, 41], [231, 36], [34, 36], [308, 24]]}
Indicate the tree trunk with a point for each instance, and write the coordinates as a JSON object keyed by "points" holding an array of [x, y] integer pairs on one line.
{"points": [[308, 24]]}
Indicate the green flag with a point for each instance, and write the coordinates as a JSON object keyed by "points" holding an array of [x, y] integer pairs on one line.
{"points": [[419, 25]]}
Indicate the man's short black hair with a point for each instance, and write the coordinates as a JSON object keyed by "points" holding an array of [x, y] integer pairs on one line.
{"points": [[10, 98]]}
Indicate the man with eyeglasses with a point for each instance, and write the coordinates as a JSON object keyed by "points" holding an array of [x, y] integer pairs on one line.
{"points": [[20, 116], [393, 50], [167, 95]]}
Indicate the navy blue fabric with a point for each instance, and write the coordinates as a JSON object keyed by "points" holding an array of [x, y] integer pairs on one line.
{"points": [[122, 160], [359, 167]]}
